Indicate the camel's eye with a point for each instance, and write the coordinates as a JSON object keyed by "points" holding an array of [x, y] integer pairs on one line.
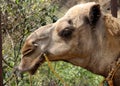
{"points": [[67, 32]]}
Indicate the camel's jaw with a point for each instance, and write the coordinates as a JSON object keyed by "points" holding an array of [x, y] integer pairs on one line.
{"points": [[35, 66], [31, 66]]}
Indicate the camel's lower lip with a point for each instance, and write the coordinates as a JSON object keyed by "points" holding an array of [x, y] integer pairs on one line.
{"points": [[32, 69], [36, 66]]}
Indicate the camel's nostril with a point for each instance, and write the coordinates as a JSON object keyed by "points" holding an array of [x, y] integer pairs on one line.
{"points": [[70, 21]]}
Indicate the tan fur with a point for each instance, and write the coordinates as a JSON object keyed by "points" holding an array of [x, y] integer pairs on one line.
{"points": [[112, 24], [93, 48]]}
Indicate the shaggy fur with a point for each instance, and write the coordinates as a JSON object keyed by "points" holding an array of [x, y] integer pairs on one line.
{"points": [[113, 25]]}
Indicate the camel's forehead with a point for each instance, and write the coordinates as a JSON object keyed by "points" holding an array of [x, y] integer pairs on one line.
{"points": [[80, 9]]}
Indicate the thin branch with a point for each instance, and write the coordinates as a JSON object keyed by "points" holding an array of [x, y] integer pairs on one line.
{"points": [[1, 78], [30, 78], [11, 77], [6, 63], [16, 79], [12, 42]]}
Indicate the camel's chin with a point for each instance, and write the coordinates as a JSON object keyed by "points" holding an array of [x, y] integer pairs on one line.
{"points": [[33, 70]]}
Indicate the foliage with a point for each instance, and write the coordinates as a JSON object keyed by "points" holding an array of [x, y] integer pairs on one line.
{"points": [[19, 19]]}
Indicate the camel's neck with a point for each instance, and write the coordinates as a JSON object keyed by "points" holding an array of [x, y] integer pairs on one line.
{"points": [[102, 68], [105, 58], [102, 59]]}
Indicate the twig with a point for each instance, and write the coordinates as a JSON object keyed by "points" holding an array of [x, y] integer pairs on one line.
{"points": [[16, 79], [18, 52], [30, 78], [12, 43], [6, 63], [9, 79]]}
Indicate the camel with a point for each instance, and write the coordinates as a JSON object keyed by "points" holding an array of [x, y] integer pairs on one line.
{"points": [[84, 36]]}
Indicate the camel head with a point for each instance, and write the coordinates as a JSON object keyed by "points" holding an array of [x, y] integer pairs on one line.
{"points": [[70, 39]]}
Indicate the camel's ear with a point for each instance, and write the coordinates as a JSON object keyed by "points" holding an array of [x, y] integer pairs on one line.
{"points": [[94, 14]]}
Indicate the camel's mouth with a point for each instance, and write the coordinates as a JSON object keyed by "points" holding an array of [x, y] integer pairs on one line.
{"points": [[31, 67]]}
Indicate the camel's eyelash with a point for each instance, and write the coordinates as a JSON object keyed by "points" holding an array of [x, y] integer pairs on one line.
{"points": [[66, 33]]}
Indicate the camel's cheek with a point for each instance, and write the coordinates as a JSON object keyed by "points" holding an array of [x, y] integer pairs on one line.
{"points": [[59, 49]]}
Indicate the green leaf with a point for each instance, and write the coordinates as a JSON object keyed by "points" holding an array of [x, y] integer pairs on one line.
{"points": [[17, 1]]}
